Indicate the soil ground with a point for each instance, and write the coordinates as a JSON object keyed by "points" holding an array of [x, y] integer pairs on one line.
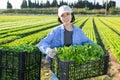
{"points": [[113, 72]]}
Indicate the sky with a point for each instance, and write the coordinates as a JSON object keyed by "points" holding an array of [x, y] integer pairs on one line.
{"points": [[17, 3]]}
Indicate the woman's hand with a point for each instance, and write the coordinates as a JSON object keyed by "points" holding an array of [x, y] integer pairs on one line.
{"points": [[51, 52]]}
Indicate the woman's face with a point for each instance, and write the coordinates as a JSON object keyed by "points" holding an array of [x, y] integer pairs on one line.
{"points": [[66, 18]]}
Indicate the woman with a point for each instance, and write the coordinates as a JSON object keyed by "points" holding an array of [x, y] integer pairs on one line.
{"points": [[65, 34]]}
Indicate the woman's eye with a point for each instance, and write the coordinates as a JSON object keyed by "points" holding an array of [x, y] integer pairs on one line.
{"points": [[68, 13]]}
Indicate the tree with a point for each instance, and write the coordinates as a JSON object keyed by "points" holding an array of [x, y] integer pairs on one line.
{"points": [[30, 4], [54, 3], [79, 4], [106, 7], [47, 3], [41, 4], [63, 3], [111, 7], [112, 4], [9, 5], [37, 4], [24, 4], [98, 6]]}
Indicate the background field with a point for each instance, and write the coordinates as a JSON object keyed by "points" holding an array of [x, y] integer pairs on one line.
{"points": [[26, 30]]}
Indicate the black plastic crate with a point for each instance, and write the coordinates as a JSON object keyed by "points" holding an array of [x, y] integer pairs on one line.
{"points": [[71, 71], [19, 65]]}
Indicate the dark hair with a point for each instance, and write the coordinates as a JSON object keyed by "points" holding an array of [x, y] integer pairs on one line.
{"points": [[73, 18]]}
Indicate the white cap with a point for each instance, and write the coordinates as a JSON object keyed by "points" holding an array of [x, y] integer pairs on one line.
{"points": [[64, 9]]}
